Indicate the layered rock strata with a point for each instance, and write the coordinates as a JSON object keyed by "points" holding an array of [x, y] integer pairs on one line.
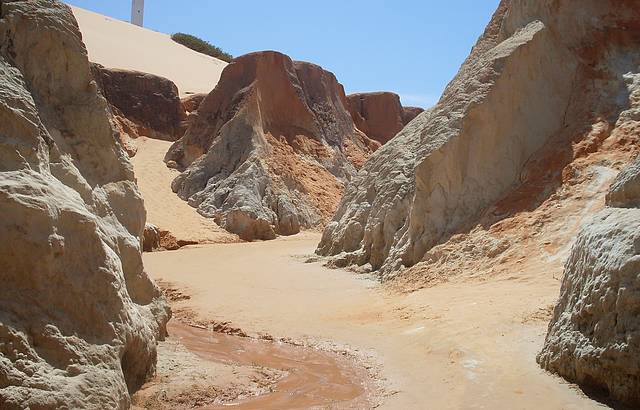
{"points": [[270, 148]]}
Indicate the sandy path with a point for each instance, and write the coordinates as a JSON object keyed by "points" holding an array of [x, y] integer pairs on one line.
{"points": [[164, 208], [457, 345], [118, 44]]}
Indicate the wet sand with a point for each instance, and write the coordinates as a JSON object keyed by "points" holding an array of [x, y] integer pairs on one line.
{"points": [[462, 344], [313, 378]]}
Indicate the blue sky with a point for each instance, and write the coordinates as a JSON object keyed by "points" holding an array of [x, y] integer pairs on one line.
{"points": [[411, 47]]}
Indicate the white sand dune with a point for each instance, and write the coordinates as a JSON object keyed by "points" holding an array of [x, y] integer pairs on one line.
{"points": [[118, 44]]}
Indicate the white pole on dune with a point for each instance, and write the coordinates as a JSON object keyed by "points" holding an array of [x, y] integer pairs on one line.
{"points": [[137, 12]]}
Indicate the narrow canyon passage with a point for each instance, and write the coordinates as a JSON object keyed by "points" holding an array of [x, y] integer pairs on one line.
{"points": [[462, 344]]}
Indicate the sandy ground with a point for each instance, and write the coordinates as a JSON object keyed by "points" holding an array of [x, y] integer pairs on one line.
{"points": [[164, 208], [466, 344], [118, 44]]}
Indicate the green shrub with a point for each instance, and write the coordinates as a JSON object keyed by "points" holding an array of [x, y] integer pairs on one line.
{"points": [[201, 46]]}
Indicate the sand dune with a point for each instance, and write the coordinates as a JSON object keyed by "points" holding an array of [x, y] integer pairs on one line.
{"points": [[118, 44], [164, 208]]}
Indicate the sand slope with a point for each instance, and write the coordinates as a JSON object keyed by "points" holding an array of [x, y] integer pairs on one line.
{"points": [[118, 44], [164, 208]]}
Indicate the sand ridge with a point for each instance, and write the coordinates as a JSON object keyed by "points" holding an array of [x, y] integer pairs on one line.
{"points": [[118, 44]]}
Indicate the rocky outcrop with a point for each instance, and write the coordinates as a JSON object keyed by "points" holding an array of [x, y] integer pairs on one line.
{"points": [[409, 113], [380, 115], [144, 104], [150, 238], [79, 317], [540, 71], [625, 191], [594, 335], [270, 148], [192, 102]]}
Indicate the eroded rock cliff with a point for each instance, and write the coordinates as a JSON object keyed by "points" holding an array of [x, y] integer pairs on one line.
{"points": [[594, 335], [543, 73], [79, 317], [270, 148], [380, 115], [146, 104]]}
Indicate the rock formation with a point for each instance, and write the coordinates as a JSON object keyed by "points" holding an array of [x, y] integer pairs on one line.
{"points": [[150, 238], [594, 336], [625, 191], [409, 113], [143, 104], [191, 103], [380, 115], [540, 71], [270, 148], [79, 317]]}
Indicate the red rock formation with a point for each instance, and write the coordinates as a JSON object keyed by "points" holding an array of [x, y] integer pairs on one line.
{"points": [[142, 104], [380, 115], [409, 113], [270, 148]]}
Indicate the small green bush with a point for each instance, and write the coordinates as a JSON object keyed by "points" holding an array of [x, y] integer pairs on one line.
{"points": [[201, 46]]}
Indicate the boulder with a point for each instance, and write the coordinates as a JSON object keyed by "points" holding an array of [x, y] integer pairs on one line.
{"points": [[151, 238], [79, 317], [149, 104], [379, 115], [594, 335], [541, 70], [269, 149], [625, 191]]}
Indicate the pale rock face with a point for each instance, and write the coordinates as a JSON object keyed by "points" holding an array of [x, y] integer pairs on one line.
{"points": [[269, 149], [539, 71], [625, 191], [594, 335], [79, 317]]}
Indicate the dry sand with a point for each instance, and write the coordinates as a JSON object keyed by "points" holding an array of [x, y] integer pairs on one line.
{"points": [[469, 344], [118, 44], [164, 208]]}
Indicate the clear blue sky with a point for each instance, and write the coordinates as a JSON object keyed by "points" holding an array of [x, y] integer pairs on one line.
{"points": [[411, 47]]}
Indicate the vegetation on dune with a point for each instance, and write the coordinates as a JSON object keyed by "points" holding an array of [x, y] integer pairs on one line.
{"points": [[201, 46]]}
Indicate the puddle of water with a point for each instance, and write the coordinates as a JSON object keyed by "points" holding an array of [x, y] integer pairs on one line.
{"points": [[314, 378]]}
